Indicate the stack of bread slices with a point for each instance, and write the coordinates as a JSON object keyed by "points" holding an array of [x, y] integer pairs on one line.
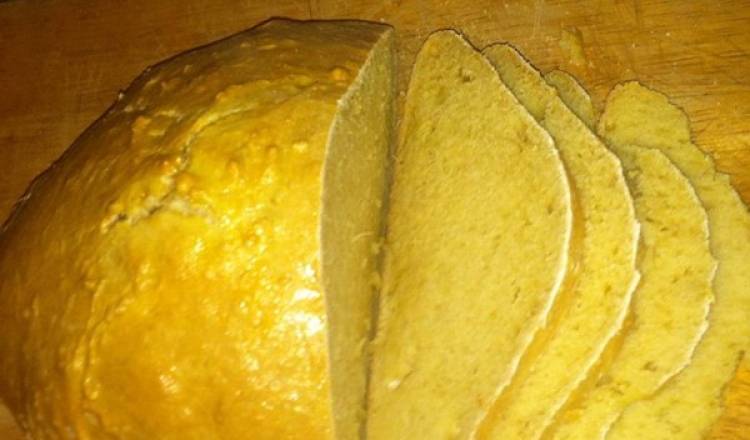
{"points": [[257, 242]]}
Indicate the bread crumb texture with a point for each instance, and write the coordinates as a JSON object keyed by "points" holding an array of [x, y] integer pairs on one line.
{"points": [[477, 246], [590, 311], [690, 403]]}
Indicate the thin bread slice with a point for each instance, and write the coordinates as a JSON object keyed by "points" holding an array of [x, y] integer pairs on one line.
{"points": [[690, 403], [574, 95], [671, 303], [477, 246], [591, 311]]}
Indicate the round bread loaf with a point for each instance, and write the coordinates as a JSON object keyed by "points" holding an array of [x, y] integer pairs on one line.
{"points": [[199, 264]]}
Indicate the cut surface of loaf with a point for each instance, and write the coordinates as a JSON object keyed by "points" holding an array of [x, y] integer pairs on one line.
{"points": [[199, 264], [671, 303], [477, 245], [688, 405], [590, 311]]}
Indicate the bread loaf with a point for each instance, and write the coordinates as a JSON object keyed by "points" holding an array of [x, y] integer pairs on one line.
{"points": [[200, 263], [477, 244], [688, 405], [226, 254], [591, 310]]}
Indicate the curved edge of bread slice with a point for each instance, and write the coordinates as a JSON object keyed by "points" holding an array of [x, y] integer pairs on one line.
{"points": [[670, 305], [573, 94], [477, 246], [636, 114], [591, 310], [674, 258]]}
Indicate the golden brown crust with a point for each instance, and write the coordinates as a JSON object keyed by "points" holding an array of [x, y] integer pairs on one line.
{"points": [[182, 226]]}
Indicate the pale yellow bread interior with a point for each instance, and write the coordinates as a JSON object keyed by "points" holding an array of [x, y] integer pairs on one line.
{"points": [[574, 95], [477, 246], [670, 305], [688, 405], [674, 258], [590, 311], [352, 227], [182, 270]]}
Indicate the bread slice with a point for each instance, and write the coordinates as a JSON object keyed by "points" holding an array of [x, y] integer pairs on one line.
{"points": [[592, 309], [477, 247], [200, 264], [671, 303], [574, 95], [688, 405]]}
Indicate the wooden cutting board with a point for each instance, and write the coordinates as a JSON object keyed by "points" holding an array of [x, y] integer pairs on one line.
{"points": [[62, 64]]}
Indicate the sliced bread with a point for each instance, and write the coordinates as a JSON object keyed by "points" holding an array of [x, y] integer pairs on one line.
{"points": [[690, 403], [477, 245], [592, 309], [671, 303]]}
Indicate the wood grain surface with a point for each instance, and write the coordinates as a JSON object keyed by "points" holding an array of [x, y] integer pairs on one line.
{"points": [[62, 64]]}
